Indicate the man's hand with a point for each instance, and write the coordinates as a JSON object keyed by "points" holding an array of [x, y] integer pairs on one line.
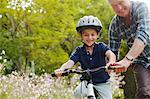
{"points": [[119, 67]]}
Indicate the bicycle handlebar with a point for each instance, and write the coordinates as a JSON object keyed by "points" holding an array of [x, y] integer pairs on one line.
{"points": [[80, 71]]}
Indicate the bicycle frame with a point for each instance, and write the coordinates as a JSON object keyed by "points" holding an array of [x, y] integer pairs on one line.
{"points": [[90, 93]]}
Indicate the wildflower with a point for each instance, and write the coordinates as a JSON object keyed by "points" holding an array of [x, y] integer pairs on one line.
{"points": [[5, 60], [1, 57], [1, 66], [3, 52], [1, 16]]}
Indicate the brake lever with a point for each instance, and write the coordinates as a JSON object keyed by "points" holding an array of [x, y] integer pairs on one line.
{"points": [[117, 68]]}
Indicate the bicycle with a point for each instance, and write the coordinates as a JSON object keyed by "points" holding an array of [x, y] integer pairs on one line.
{"points": [[86, 76]]}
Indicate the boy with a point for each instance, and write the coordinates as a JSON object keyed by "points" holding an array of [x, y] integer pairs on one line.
{"points": [[91, 55]]}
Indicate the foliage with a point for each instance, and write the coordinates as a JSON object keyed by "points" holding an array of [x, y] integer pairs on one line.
{"points": [[39, 35], [6, 64], [42, 33]]}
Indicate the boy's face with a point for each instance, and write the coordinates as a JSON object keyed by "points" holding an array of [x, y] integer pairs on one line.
{"points": [[89, 36]]}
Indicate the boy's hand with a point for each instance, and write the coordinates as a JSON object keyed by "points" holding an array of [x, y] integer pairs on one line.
{"points": [[58, 72], [107, 68]]}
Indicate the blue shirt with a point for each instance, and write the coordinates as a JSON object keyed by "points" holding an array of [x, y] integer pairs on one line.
{"points": [[139, 28], [97, 59]]}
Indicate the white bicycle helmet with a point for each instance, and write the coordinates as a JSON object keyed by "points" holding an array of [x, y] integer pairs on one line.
{"points": [[88, 22]]}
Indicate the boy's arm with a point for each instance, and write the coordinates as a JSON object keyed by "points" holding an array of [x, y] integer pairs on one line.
{"points": [[67, 65], [111, 57]]}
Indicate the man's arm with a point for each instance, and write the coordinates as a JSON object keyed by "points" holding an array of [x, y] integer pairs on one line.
{"points": [[136, 49]]}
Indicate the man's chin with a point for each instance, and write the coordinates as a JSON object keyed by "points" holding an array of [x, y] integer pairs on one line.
{"points": [[123, 14]]}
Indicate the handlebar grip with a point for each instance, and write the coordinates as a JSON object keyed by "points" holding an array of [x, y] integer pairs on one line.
{"points": [[65, 73], [110, 68], [53, 74]]}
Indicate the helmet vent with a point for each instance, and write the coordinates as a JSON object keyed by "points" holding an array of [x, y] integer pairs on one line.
{"points": [[93, 21]]}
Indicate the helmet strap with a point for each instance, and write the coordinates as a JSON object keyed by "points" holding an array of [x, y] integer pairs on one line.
{"points": [[88, 45]]}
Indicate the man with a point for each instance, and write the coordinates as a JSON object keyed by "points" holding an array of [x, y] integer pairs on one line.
{"points": [[132, 23]]}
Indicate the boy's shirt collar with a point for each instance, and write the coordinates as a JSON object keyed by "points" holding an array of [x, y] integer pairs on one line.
{"points": [[84, 48]]}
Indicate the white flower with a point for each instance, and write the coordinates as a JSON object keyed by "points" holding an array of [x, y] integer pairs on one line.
{"points": [[29, 10], [1, 66], [1, 57], [1, 16], [5, 60], [3, 52]]}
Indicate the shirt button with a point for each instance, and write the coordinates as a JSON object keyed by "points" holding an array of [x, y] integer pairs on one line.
{"points": [[90, 58]]}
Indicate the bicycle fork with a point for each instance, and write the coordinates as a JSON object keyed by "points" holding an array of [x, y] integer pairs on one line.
{"points": [[90, 91]]}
